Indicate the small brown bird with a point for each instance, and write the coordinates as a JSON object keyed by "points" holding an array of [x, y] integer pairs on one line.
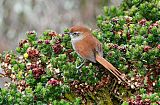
{"points": [[89, 48]]}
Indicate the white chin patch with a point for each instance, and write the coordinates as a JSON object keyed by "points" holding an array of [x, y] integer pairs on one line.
{"points": [[77, 38], [71, 36]]}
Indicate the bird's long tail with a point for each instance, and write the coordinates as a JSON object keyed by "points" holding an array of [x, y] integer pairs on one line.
{"points": [[112, 69]]}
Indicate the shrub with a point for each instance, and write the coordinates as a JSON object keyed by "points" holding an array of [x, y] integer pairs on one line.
{"points": [[43, 69], [132, 33]]}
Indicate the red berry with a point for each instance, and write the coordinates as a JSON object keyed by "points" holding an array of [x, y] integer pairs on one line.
{"points": [[158, 103], [158, 46], [31, 32], [37, 72], [146, 48], [115, 20], [138, 98], [32, 52], [47, 41], [52, 33], [57, 48], [142, 22], [22, 42], [40, 41], [153, 25], [53, 82]]}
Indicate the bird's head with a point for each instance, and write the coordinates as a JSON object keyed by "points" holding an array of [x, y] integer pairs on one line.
{"points": [[78, 31]]}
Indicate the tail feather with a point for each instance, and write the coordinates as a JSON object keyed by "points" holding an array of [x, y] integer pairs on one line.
{"points": [[111, 68]]}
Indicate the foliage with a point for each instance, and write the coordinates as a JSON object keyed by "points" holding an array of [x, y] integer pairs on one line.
{"points": [[43, 71], [148, 9], [35, 73], [131, 38]]}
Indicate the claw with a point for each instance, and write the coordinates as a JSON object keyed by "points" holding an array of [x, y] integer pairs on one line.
{"points": [[78, 67]]}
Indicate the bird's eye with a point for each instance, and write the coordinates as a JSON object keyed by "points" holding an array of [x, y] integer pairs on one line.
{"points": [[76, 33]]}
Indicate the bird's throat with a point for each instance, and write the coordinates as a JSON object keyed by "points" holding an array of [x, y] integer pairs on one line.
{"points": [[78, 38]]}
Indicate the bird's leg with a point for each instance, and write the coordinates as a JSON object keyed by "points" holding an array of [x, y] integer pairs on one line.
{"points": [[78, 67]]}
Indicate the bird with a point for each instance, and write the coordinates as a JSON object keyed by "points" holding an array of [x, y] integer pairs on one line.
{"points": [[89, 48]]}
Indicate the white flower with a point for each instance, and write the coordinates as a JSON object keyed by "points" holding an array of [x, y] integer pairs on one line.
{"points": [[57, 70]]}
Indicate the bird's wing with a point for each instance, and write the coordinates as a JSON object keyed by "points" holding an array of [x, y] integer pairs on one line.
{"points": [[85, 51], [99, 48]]}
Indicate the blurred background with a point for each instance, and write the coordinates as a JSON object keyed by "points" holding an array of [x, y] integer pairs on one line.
{"points": [[19, 16]]}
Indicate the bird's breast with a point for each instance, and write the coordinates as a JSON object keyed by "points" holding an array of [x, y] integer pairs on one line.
{"points": [[76, 40]]}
